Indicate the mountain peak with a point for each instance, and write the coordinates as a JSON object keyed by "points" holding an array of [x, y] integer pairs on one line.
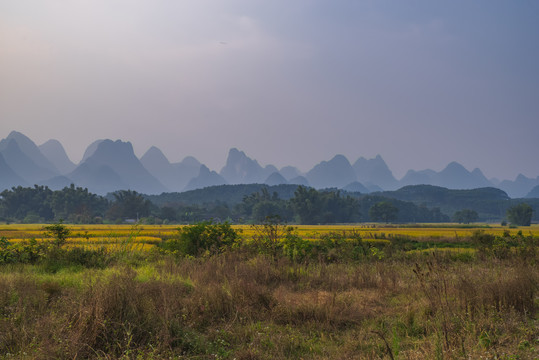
{"points": [[154, 154], [205, 178], [56, 154], [275, 179], [375, 171], [339, 158], [190, 161], [26, 160], [453, 165], [90, 150], [456, 176], [30, 149], [20, 138], [241, 169], [119, 156], [521, 178], [336, 172], [154, 149]]}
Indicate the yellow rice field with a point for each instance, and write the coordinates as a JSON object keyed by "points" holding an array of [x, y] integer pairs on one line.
{"points": [[144, 237]]}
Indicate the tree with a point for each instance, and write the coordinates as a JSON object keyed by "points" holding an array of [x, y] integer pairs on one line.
{"points": [[307, 205], [323, 207], [520, 214], [128, 204], [59, 232], [465, 216], [264, 209], [383, 211], [21, 202], [168, 213], [76, 204]]}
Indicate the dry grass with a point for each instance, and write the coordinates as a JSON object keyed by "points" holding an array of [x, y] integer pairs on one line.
{"points": [[246, 305], [253, 307]]}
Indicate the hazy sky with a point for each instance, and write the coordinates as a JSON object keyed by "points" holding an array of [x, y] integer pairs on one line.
{"points": [[290, 82]]}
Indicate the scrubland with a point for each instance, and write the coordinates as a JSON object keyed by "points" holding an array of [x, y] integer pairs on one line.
{"points": [[269, 292]]}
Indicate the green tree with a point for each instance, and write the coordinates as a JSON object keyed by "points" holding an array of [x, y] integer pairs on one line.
{"points": [[77, 205], [323, 207], [59, 232], [465, 216], [264, 209], [128, 204], [520, 214], [168, 213], [383, 211], [21, 202]]}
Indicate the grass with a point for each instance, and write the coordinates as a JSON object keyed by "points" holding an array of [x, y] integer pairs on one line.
{"points": [[396, 302]]}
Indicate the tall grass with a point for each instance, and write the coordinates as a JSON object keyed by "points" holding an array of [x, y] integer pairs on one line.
{"points": [[290, 298], [236, 305]]}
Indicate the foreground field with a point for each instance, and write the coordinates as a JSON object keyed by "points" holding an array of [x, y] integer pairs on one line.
{"points": [[146, 236], [318, 293]]}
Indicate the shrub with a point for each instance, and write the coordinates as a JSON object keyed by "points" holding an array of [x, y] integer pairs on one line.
{"points": [[204, 237], [483, 242], [296, 248], [56, 259], [25, 253], [59, 232], [269, 235]]}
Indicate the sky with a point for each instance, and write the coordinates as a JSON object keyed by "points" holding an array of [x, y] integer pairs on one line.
{"points": [[290, 82]]}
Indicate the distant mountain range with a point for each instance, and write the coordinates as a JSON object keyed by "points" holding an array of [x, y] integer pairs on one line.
{"points": [[109, 165]]}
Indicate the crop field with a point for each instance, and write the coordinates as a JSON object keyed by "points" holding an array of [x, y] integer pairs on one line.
{"points": [[144, 237], [215, 291]]}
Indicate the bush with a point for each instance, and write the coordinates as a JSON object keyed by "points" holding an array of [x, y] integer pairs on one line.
{"points": [[56, 259], [202, 238], [482, 240], [28, 252]]}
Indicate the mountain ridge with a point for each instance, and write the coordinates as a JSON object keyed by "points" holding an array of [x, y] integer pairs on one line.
{"points": [[48, 163]]}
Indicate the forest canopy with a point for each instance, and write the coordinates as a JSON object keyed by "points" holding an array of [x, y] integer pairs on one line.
{"points": [[247, 204]]}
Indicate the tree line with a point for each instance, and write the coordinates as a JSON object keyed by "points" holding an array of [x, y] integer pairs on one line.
{"points": [[72, 204], [304, 206]]}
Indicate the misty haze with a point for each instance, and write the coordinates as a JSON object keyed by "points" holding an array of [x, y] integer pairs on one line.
{"points": [[249, 179]]}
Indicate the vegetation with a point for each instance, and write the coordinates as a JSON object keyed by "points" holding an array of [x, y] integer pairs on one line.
{"points": [[316, 207], [302, 206], [269, 292], [40, 204], [465, 216], [520, 214], [383, 211], [490, 204], [128, 204], [224, 194], [246, 204], [58, 232], [202, 238]]}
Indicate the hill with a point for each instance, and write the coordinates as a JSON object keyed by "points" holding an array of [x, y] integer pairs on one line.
{"points": [[227, 194], [490, 203]]}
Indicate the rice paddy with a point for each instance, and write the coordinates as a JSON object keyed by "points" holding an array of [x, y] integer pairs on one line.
{"points": [[145, 237]]}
